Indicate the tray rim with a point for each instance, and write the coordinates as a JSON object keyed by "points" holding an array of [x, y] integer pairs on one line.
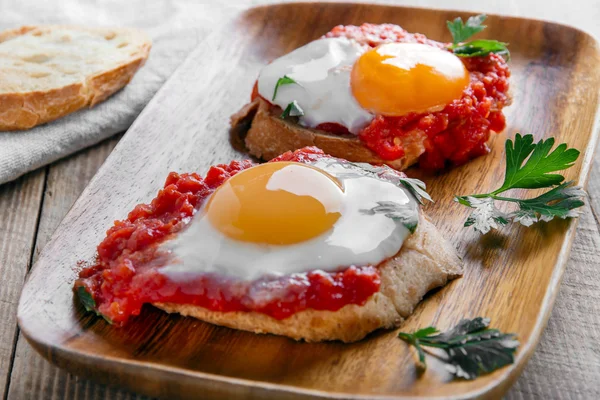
{"points": [[61, 355]]}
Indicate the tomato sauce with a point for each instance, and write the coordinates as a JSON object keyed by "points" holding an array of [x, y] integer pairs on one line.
{"points": [[455, 134], [125, 274]]}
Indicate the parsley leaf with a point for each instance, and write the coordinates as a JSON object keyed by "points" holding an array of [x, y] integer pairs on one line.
{"points": [[529, 166], [470, 348], [89, 303], [481, 48], [285, 80], [461, 32], [397, 212], [292, 110], [415, 186], [86, 299], [535, 173], [486, 216], [561, 202]]}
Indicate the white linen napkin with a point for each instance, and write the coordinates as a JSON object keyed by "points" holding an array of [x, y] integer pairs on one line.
{"points": [[176, 27]]}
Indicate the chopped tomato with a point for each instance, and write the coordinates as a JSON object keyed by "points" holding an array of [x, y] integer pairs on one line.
{"points": [[455, 134], [126, 273]]}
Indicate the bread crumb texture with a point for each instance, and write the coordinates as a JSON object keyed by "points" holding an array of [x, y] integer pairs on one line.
{"points": [[47, 72]]}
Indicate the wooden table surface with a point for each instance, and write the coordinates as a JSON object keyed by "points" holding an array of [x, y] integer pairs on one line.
{"points": [[565, 365]]}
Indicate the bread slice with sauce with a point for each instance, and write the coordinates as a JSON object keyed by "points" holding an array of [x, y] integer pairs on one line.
{"points": [[47, 72], [425, 261], [266, 136]]}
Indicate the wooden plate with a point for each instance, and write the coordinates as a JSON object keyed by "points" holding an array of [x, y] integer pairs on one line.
{"points": [[511, 276]]}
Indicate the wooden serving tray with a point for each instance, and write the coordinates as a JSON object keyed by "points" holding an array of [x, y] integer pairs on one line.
{"points": [[511, 276]]}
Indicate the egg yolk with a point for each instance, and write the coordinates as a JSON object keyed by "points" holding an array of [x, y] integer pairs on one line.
{"points": [[276, 203], [395, 79]]}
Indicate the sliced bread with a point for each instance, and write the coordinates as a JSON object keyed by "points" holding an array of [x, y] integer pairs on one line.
{"points": [[266, 136], [47, 72], [425, 261]]}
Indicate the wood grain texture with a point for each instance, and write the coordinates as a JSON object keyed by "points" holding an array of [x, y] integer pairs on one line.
{"points": [[32, 376], [502, 270], [573, 355], [540, 380], [537, 381], [594, 191], [19, 208]]}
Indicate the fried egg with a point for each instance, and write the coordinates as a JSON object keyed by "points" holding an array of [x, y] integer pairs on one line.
{"points": [[284, 218], [321, 70], [337, 80]]}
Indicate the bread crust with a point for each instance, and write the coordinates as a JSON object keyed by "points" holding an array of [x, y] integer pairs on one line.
{"points": [[24, 110], [425, 261], [269, 136]]}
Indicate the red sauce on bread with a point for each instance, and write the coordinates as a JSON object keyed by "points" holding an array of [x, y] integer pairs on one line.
{"points": [[457, 133], [126, 274]]}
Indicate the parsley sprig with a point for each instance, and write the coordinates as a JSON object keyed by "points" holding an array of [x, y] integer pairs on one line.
{"points": [[292, 110], [284, 80], [529, 166], [470, 349], [461, 32]]}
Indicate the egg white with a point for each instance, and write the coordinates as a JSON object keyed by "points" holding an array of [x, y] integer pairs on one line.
{"points": [[321, 70], [357, 238]]}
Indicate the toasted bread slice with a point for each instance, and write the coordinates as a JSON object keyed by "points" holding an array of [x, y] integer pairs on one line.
{"points": [[47, 72], [269, 136], [425, 261]]}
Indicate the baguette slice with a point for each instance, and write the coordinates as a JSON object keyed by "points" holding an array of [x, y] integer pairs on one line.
{"points": [[47, 72], [266, 136], [425, 261]]}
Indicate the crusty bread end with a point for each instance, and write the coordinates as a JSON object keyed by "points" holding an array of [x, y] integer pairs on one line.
{"points": [[50, 71], [425, 261]]}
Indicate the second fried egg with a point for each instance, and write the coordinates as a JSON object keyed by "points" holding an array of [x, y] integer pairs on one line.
{"points": [[337, 80]]}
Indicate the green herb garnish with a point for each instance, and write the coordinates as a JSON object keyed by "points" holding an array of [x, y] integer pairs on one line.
{"points": [[399, 212], [86, 299], [529, 166], [480, 48], [461, 32], [292, 110], [415, 186], [470, 348], [396, 211], [89, 303], [285, 80]]}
